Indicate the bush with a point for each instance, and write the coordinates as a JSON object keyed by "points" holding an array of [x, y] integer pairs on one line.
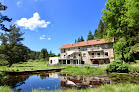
{"points": [[118, 66], [41, 60], [36, 60], [30, 60], [3, 62], [134, 69]]}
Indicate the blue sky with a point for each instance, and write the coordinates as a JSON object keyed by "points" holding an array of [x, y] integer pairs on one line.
{"points": [[52, 23]]}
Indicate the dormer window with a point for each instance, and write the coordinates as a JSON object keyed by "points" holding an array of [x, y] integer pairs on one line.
{"points": [[84, 48], [98, 47], [106, 46]]}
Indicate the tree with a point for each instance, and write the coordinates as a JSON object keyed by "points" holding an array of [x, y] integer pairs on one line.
{"points": [[16, 51], [79, 40], [3, 18], [43, 54], [122, 19], [90, 36], [75, 41], [15, 36], [82, 39]]}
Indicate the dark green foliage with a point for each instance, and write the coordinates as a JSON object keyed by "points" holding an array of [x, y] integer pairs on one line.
{"points": [[90, 36], [101, 31], [3, 18], [43, 54], [3, 62], [118, 66], [82, 39]]}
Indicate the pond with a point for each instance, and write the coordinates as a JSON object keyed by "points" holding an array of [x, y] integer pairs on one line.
{"points": [[57, 81]]}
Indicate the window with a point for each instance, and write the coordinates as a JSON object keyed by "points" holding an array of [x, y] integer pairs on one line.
{"points": [[64, 56], [98, 47], [98, 54], [84, 55], [106, 53], [69, 49], [79, 54], [84, 48], [79, 48], [64, 50], [74, 56], [92, 47], [93, 54], [74, 49], [105, 46]]}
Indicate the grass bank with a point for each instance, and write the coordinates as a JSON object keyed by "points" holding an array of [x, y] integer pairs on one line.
{"points": [[104, 88], [5, 89], [85, 70], [25, 66]]}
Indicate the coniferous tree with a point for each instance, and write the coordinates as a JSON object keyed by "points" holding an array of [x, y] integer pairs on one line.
{"points": [[43, 54], [75, 41], [82, 39], [90, 36], [79, 40]]}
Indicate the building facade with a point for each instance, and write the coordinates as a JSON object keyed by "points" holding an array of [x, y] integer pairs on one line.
{"points": [[87, 52]]}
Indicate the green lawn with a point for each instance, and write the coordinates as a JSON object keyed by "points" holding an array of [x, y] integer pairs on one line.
{"points": [[26, 66], [85, 70]]}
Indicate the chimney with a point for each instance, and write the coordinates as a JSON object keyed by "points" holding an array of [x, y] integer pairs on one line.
{"points": [[86, 41]]}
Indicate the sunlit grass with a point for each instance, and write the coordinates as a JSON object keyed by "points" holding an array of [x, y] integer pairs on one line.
{"points": [[25, 66], [5, 89], [85, 70], [104, 88]]}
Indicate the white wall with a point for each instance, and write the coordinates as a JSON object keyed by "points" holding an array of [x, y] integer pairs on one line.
{"points": [[54, 60]]}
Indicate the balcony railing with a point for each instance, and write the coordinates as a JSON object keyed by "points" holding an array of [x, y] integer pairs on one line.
{"points": [[69, 57], [94, 49], [99, 56]]}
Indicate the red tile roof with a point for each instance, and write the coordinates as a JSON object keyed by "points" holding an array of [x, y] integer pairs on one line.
{"points": [[90, 42]]}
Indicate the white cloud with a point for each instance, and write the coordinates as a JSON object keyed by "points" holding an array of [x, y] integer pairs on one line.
{"points": [[49, 38], [33, 22], [42, 37], [19, 3]]}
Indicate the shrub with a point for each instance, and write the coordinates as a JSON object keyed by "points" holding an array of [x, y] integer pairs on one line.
{"points": [[134, 69], [118, 66], [3, 62], [30, 60], [36, 60], [41, 60], [20, 62]]}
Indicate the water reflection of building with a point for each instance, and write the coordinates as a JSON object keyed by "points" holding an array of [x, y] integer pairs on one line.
{"points": [[84, 81], [53, 75]]}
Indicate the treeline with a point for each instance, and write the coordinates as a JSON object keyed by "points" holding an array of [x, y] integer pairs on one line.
{"points": [[11, 49], [100, 33]]}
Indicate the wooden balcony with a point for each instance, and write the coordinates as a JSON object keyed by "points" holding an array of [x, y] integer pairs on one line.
{"points": [[94, 49], [98, 57]]}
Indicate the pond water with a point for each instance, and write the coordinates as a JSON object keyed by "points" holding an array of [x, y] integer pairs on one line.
{"points": [[55, 80]]}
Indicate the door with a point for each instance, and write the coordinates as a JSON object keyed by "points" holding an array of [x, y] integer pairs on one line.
{"points": [[95, 62]]}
